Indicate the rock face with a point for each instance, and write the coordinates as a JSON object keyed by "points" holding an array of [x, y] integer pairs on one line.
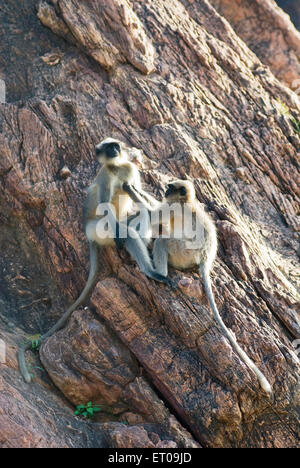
{"points": [[110, 32], [187, 88], [268, 32]]}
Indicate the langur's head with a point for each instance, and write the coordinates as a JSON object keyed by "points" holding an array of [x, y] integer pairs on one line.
{"points": [[180, 191], [110, 151]]}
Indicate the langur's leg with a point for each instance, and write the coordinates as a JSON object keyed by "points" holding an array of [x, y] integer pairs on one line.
{"points": [[160, 256], [139, 252], [141, 223]]}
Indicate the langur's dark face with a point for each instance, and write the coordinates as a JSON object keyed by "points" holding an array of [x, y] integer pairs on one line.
{"points": [[175, 192], [108, 150]]}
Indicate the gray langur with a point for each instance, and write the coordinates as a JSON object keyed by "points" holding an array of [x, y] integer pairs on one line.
{"points": [[186, 253], [108, 189]]}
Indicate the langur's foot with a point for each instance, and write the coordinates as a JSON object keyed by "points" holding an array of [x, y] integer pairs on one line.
{"points": [[164, 279], [172, 284]]}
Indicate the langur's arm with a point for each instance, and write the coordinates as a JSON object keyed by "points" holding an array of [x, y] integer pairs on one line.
{"points": [[91, 203], [104, 184], [105, 196], [159, 215], [139, 196]]}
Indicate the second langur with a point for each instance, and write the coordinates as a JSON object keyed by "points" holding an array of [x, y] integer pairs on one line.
{"points": [[185, 253], [108, 189]]}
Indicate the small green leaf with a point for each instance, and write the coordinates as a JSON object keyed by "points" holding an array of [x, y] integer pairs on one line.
{"points": [[88, 410], [35, 345], [80, 407]]}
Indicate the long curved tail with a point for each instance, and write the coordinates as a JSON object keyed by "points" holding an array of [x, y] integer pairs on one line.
{"points": [[61, 322], [265, 385], [22, 361]]}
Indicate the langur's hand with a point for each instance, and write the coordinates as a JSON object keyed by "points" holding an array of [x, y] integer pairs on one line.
{"points": [[127, 188], [132, 192]]}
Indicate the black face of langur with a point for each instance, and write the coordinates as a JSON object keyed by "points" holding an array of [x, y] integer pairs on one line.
{"points": [[175, 192], [108, 150]]}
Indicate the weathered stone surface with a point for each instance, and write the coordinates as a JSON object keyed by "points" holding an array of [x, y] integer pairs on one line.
{"points": [[88, 363], [202, 106], [268, 31], [35, 417], [108, 30]]}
